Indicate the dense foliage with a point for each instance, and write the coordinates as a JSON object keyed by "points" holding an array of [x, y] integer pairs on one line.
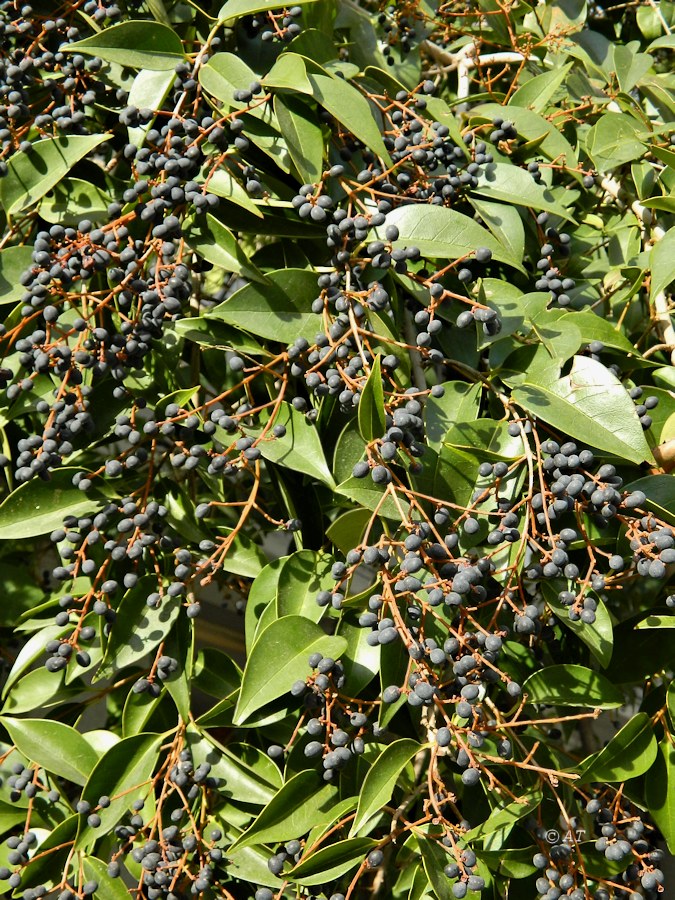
{"points": [[354, 316]]}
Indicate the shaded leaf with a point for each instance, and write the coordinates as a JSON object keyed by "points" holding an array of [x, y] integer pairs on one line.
{"points": [[72, 200], [459, 403], [660, 493], [303, 574], [13, 263], [660, 791]]}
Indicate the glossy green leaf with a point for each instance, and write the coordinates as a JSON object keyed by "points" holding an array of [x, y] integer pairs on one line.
{"points": [[56, 747], [137, 44], [288, 72], [279, 310], [235, 9], [302, 803], [572, 685], [511, 184], [331, 862], [298, 449], [371, 412], [435, 858], [224, 74], [213, 241], [505, 815], [660, 791], [39, 689], [244, 772], [629, 753], [110, 888], [361, 661], [374, 497], [653, 621], [660, 493], [124, 774], [488, 437], [303, 574], [32, 173], [36, 507], [540, 90], [351, 109], [72, 200], [442, 233], [149, 90], [303, 136], [662, 262], [137, 712], [598, 637], [533, 127], [504, 222], [13, 263], [286, 644], [589, 404], [459, 403], [223, 183], [381, 780], [138, 629], [614, 139], [348, 528]]}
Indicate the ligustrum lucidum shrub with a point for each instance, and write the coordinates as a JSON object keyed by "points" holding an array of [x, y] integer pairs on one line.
{"points": [[355, 317]]}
